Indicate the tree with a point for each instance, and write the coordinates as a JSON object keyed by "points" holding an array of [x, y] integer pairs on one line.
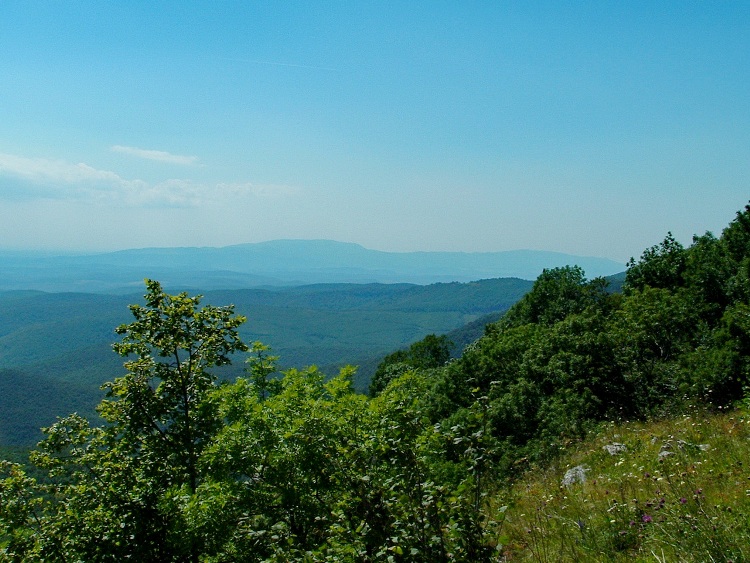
{"points": [[160, 404], [736, 236], [261, 366], [429, 353], [557, 293], [660, 266], [119, 488]]}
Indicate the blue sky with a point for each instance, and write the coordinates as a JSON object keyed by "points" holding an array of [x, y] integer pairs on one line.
{"points": [[591, 128]]}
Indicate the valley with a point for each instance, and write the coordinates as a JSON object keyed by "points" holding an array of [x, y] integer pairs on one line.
{"points": [[56, 348]]}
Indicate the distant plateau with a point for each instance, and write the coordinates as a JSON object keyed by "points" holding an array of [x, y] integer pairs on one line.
{"points": [[275, 264]]}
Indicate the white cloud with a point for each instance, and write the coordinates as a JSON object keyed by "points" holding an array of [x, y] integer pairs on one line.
{"points": [[39, 178], [41, 170], [160, 156]]}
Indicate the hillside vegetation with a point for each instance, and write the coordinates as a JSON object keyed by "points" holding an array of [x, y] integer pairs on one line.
{"points": [[667, 490], [56, 349], [434, 466]]}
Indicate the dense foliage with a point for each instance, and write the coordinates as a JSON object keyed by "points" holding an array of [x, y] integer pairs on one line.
{"points": [[297, 467], [429, 353], [570, 354]]}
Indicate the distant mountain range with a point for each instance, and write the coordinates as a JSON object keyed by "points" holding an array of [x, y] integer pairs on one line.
{"points": [[273, 264]]}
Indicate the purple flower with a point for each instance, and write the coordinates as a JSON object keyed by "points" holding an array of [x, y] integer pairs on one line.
{"points": [[683, 500], [646, 518]]}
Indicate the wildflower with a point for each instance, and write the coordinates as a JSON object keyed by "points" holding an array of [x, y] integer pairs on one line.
{"points": [[646, 518], [683, 500]]}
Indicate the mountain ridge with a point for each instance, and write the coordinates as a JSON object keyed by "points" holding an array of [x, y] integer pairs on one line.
{"points": [[282, 262]]}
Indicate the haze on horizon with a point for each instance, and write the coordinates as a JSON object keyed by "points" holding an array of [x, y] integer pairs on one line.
{"points": [[587, 128]]}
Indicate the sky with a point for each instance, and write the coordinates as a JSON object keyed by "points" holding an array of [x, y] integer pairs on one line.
{"points": [[591, 128]]}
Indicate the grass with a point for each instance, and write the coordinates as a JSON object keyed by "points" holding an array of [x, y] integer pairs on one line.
{"points": [[679, 492]]}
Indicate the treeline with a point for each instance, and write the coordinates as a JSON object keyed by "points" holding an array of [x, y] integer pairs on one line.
{"points": [[298, 467]]}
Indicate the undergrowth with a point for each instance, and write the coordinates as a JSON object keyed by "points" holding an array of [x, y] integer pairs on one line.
{"points": [[679, 490]]}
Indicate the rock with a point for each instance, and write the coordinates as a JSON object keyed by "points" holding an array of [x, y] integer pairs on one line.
{"points": [[574, 475], [615, 448]]}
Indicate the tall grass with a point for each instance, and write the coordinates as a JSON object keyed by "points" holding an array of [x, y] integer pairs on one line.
{"points": [[679, 492]]}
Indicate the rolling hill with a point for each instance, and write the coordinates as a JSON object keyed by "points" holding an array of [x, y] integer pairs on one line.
{"points": [[55, 348]]}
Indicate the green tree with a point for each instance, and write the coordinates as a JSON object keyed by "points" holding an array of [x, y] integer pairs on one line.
{"points": [[261, 368], [557, 293], [160, 404], [660, 266], [119, 488], [736, 236], [431, 352], [286, 471]]}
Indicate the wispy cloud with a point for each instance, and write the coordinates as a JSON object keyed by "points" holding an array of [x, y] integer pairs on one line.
{"points": [[160, 156], [40, 178], [42, 170]]}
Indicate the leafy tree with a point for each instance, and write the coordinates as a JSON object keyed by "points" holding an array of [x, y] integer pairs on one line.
{"points": [[277, 469], [117, 485], [161, 404], [736, 241], [429, 353], [736, 236], [708, 269], [261, 366], [557, 293], [660, 266], [654, 327], [20, 513]]}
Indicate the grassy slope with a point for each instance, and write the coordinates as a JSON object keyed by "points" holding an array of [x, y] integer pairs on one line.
{"points": [[690, 504]]}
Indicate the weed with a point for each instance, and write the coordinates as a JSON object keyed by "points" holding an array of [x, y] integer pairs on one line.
{"points": [[679, 490]]}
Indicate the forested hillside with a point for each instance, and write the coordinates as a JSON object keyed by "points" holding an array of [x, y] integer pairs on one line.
{"points": [[297, 467], [56, 349]]}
